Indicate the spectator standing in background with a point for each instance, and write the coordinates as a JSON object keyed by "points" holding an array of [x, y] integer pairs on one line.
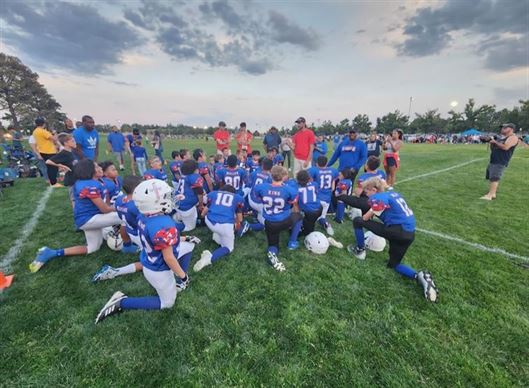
{"points": [[351, 153], [286, 151], [157, 145], [303, 141], [336, 140], [46, 148], [87, 139], [222, 137], [374, 145], [392, 147], [320, 149], [116, 145], [271, 139], [130, 143], [244, 139], [68, 126]]}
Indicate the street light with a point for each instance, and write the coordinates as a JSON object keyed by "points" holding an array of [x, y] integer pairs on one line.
{"points": [[409, 109]]}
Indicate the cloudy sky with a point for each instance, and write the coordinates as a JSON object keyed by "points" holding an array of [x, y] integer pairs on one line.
{"points": [[267, 62]]}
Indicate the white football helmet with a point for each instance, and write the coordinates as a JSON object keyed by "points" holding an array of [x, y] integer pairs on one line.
{"points": [[354, 212], [317, 243], [373, 242], [153, 196], [114, 241]]}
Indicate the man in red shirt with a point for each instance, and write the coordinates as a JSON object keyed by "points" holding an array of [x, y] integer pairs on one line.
{"points": [[222, 137], [303, 140], [244, 138]]}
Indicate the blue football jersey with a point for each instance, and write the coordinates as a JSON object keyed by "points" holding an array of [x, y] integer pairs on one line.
{"points": [[343, 187], [366, 175], [83, 192], [222, 206], [203, 170], [155, 174], [174, 167], [187, 186], [308, 198], [324, 177], [252, 165], [234, 177], [277, 200], [113, 187], [278, 160], [156, 233], [256, 178], [392, 209], [128, 213]]}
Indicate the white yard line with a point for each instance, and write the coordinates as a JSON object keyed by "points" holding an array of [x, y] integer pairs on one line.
{"points": [[12, 254], [438, 171], [474, 245]]}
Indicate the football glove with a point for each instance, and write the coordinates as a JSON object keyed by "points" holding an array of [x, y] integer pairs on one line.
{"points": [[192, 239]]}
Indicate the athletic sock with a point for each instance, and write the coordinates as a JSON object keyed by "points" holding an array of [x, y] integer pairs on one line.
{"points": [[127, 244], [322, 222], [295, 230], [273, 249], [141, 303], [125, 270], [59, 252], [340, 211], [219, 253], [360, 239], [180, 226], [257, 227], [406, 271], [184, 261]]}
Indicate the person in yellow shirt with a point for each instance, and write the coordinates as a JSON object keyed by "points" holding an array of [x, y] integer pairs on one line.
{"points": [[45, 144]]}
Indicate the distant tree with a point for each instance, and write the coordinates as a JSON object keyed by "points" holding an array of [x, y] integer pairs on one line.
{"points": [[428, 122], [126, 128], [343, 126], [362, 123], [22, 97], [456, 122], [391, 121], [326, 128]]}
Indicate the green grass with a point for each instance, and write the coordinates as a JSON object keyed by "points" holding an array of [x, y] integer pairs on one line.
{"points": [[327, 321]]}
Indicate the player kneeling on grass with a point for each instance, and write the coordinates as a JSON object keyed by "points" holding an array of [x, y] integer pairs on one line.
{"points": [[91, 214], [398, 227], [161, 247], [280, 211], [191, 189], [223, 211], [157, 171], [128, 213]]}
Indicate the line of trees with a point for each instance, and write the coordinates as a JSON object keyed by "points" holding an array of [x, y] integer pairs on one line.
{"points": [[23, 98]]}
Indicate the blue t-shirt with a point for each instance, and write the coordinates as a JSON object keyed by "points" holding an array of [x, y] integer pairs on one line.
{"points": [[324, 178], [234, 177], [367, 175], [128, 213], [88, 140], [222, 206], [188, 185], [392, 209], [157, 232], [113, 187], [83, 192], [277, 200], [308, 198], [139, 152], [153, 173], [117, 141]]}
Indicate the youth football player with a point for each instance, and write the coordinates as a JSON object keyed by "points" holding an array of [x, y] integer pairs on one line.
{"points": [[161, 248], [281, 212], [203, 169], [111, 180], [91, 214], [325, 178], [157, 171], [397, 226], [223, 213], [191, 189], [343, 187], [308, 200], [174, 167], [232, 175], [252, 163], [275, 157]]}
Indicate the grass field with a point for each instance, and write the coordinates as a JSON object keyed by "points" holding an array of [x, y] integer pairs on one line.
{"points": [[326, 321]]}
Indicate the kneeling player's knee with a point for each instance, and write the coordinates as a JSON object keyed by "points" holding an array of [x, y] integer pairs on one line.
{"points": [[358, 222], [168, 302]]}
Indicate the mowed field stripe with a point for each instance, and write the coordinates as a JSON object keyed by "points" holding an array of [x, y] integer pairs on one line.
{"points": [[477, 246], [438, 171], [12, 254]]}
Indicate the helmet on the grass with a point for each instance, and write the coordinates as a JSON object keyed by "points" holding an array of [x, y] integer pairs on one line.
{"points": [[373, 242], [317, 243], [153, 196], [114, 241]]}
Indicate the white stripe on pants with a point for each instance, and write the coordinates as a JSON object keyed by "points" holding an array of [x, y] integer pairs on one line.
{"points": [[93, 229]]}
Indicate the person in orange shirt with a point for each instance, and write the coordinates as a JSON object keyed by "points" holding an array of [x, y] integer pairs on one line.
{"points": [[45, 143], [303, 142], [222, 137], [244, 138]]}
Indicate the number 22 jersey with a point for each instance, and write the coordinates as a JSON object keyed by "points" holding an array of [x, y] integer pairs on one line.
{"points": [[277, 200]]}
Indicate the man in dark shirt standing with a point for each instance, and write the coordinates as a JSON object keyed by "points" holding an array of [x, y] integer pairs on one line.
{"points": [[501, 151]]}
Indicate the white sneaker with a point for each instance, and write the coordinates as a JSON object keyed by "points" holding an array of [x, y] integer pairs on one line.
{"points": [[329, 229], [205, 260], [334, 243]]}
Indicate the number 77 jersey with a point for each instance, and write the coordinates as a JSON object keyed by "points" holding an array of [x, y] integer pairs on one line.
{"points": [[392, 209], [277, 200]]}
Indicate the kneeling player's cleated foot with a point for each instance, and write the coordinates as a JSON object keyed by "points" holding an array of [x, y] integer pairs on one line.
{"points": [[487, 198], [293, 245], [334, 243], [245, 227], [205, 260], [35, 266], [43, 255], [275, 263], [329, 230], [338, 221], [359, 253], [105, 273], [112, 307], [132, 248], [425, 279]]}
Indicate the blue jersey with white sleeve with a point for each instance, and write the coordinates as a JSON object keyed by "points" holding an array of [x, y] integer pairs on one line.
{"points": [[222, 206], [234, 177], [343, 187], [153, 173], [156, 233], [308, 198], [128, 213], [83, 192], [189, 186], [277, 200], [174, 167], [252, 165], [392, 209], [256, 178], [324, 178], [113, 187]]}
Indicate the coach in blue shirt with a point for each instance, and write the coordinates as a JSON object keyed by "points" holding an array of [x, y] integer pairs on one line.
{"points": [[272, 139], [351, 153], [87, 139], [116, 144]]}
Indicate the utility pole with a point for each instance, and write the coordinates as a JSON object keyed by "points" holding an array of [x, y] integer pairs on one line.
{"points": [[409, 109]]}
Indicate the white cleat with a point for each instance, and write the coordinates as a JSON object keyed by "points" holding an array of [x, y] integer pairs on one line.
{"points": [[359, 253], [425, 279], [205, 260], [113, 306], [275, 263], [334, 243], [329, 230]]}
